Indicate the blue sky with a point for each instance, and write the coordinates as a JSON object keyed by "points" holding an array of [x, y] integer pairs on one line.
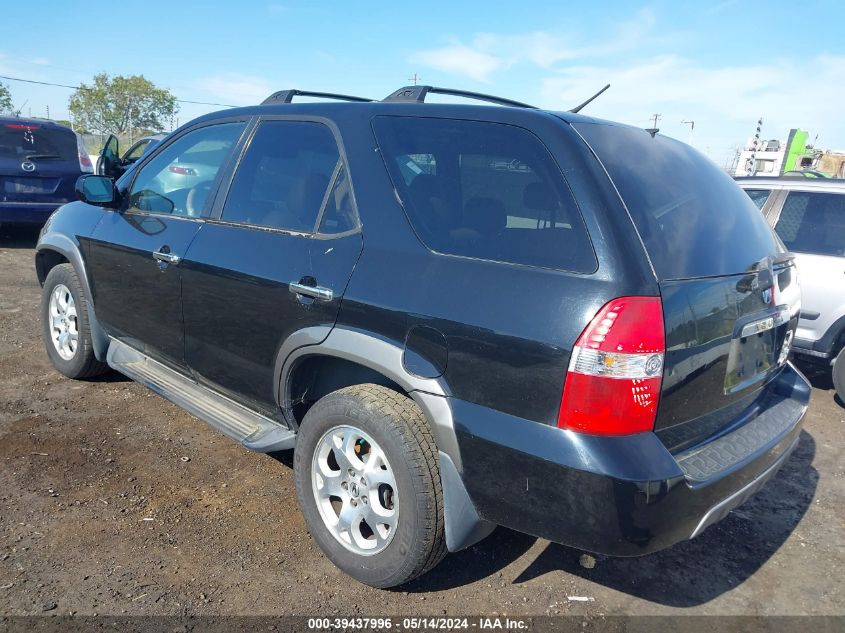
{"points": [[720, 64]]}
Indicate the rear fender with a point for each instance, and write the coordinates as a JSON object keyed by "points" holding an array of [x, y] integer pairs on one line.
{"points": [[464, 527]]}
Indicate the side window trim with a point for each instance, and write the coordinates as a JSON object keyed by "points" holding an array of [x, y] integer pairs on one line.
{"points": [[328, 192], [216, 183], [777, 207], [216, 214]]}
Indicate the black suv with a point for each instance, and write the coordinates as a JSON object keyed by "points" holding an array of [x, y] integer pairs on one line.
{"points": [[458, 316]]}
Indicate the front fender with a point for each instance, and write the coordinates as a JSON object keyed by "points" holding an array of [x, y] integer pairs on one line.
{"points": [[65, 244]]}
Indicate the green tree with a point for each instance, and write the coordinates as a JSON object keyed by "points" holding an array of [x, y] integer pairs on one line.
{"points": [[121, 105], [6, 106]]}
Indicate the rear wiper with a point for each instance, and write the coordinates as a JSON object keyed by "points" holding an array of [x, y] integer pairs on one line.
{"points": [[43, 157]]}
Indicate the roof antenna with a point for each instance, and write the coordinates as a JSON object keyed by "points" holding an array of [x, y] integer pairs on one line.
{"points": [[577, 109]]}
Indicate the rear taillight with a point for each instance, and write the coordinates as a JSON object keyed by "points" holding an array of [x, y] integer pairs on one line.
{"points": [[183, 171], [84, 160], [613, 383]]}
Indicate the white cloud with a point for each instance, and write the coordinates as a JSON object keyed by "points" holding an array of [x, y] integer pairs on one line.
{"points": [[490, 52], [725, 101], [236, 89], [459, 59]]}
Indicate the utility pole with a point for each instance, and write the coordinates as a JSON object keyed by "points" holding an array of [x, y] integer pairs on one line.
{"points": [[48, 112], [415, 78], [751, 162], [691, 129], [655, 118]]}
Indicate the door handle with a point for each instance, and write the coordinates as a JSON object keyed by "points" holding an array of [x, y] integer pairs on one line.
{"points": [[317, 292], [167, 258]]}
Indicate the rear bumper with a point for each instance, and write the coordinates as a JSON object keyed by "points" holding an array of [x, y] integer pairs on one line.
{"points": [[27, 212], [621, 496]]}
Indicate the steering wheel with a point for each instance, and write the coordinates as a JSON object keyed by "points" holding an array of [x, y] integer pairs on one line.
{"points": [[197, 197]]}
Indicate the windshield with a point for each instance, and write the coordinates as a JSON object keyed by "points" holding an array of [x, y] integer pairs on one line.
{"points": [[692, 217]]}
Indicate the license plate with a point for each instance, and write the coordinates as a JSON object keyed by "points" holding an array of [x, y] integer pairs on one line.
{"points": [[30, 185]]}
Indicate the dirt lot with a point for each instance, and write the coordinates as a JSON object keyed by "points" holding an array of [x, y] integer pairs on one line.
{"points": [[113, 501]]}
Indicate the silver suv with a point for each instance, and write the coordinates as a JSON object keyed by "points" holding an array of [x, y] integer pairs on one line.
{"points": [[809, 216]]}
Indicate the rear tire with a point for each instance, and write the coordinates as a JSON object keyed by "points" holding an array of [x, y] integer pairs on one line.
{"points": [[388, 440], [839, 375], [65, 326]]}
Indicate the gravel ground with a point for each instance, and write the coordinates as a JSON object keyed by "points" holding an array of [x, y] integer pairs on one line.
{"points": [[114, 501]]}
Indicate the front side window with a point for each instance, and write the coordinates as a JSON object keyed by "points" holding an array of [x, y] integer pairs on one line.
{"points": [[484, 190], [759, 196], [813, 222], [282, 179], [178, 180]]}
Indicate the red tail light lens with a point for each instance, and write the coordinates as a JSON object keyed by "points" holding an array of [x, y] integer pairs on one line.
{"points": [[613, 383], [184, 171]]}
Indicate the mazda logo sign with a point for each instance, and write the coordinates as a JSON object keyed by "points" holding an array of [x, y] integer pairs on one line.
{"points": [[28, 165]]}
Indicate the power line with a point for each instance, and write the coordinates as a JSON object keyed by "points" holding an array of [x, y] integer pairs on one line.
{"points": [[47, 83]]}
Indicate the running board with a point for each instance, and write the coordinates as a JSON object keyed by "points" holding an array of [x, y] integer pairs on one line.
{"points": [[255, 431]]}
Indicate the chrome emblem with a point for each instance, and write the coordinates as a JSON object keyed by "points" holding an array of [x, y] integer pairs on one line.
{"points": [[28, 165], [767, 296]]}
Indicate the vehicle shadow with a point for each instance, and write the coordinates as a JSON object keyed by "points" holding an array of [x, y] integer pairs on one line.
{"points": [[728, 553], [821, 377], [23, 236], [109, 377], [688, 574], [474, 563]]}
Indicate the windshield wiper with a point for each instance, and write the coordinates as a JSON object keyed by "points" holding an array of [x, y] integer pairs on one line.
{"points": [[43, 157]]}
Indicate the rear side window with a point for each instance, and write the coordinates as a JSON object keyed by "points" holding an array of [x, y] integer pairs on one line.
{"points": [[813, 222], [484, 190], [693, 218], [21, 140], [758, 196], [283, 177]]}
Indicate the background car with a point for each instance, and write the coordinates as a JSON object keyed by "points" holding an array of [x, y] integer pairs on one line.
{"points": [[809, 216], [111, 163], [40, 162]]}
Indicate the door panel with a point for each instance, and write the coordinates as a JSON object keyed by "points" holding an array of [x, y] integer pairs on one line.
{"points": [[237, 277], [238, 307], [812, 225], [134, 255], [138, 298]]}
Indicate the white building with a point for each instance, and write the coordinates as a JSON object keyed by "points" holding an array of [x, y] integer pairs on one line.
{"points": [[767, 159]]}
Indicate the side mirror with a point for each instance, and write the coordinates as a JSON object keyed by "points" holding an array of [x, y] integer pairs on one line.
{"points": [[97, 190]]}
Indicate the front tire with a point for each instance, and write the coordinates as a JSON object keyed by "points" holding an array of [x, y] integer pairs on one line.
{"points": [[65, 326], [368, 484]]}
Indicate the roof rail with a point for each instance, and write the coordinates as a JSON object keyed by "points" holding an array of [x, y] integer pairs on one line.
{"points": [[286, 96], [417, 94]]}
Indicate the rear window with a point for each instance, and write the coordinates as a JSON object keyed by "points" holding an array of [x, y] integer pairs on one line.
{"points": [[692, 217], [19, 140], [484, 190], [813, 222]]}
